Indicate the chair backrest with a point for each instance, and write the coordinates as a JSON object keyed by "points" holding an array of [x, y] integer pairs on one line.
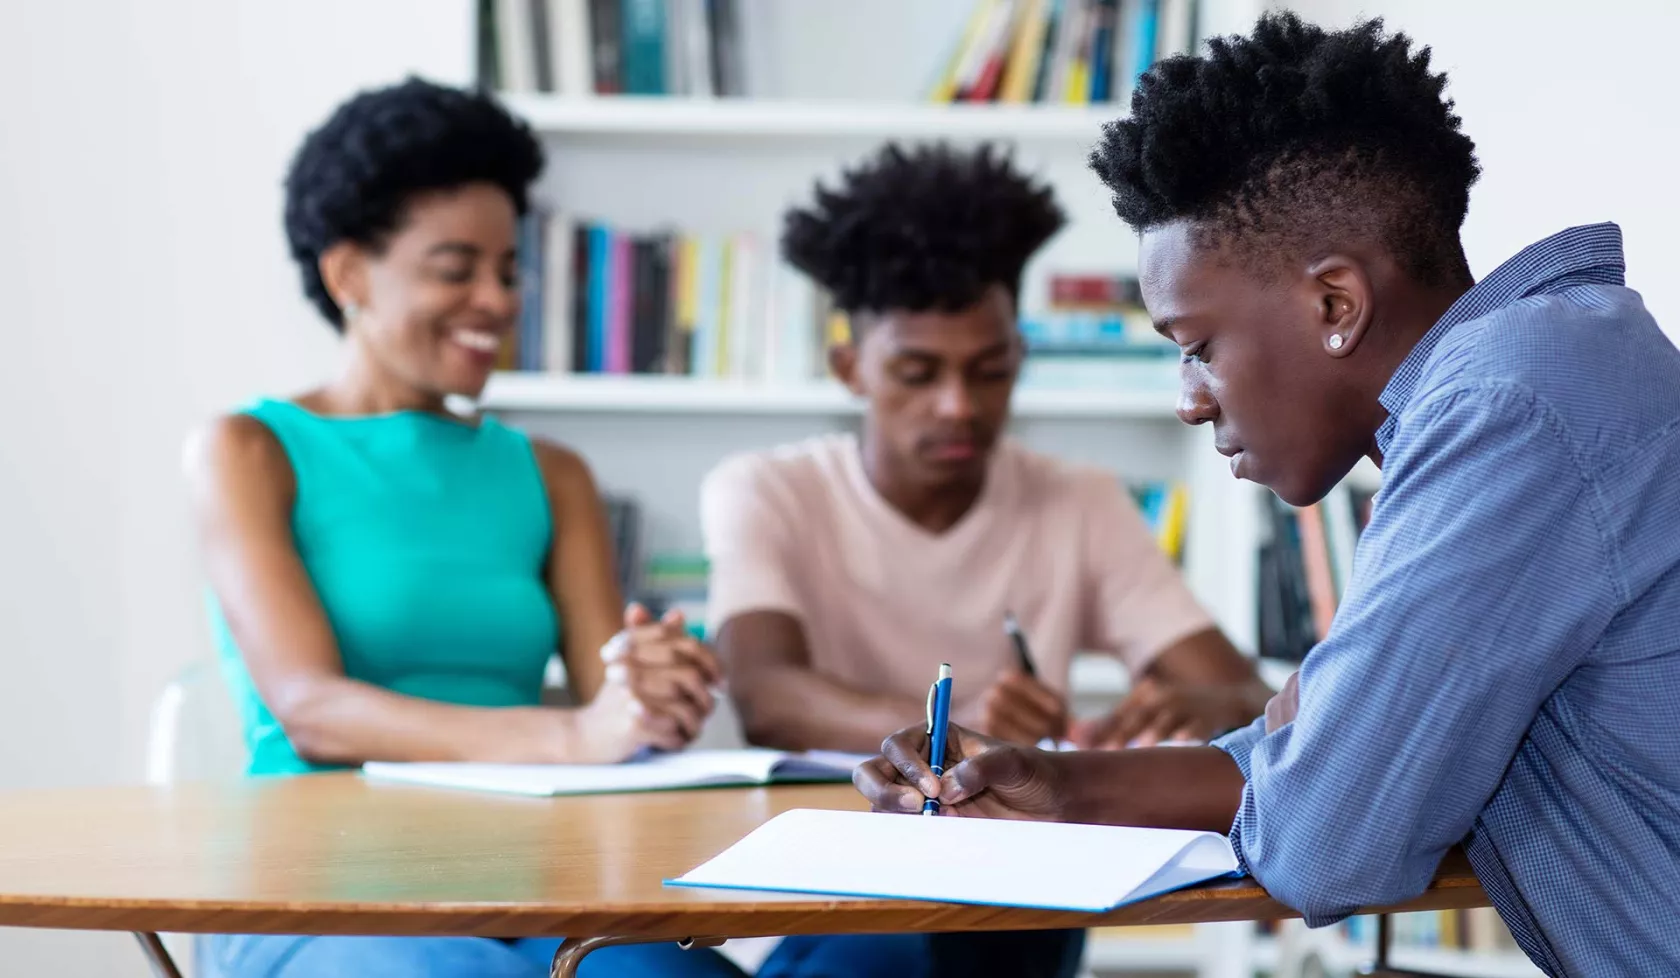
{"points": [[195, 730]]}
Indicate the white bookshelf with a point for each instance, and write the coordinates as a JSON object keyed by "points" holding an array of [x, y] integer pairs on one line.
{"points": [[667, 119], [655, 394]]}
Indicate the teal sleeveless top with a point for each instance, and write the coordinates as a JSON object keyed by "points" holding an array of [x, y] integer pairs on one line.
{"points": [[426, 540]]}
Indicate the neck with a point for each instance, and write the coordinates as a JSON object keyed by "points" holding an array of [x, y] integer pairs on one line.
{"points": [[364, 387], [1411, 316], [935, 507]]}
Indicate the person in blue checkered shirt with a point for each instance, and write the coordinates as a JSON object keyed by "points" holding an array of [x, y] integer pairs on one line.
{"points": [[1503, 671]]}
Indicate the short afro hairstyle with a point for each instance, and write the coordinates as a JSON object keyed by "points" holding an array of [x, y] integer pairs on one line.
{"points": [[1296, 138], [924, 229], [353, 177]]}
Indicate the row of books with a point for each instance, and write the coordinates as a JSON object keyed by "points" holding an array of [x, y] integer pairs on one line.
{"points": [[611, 47], [601, 299], [678, 579], [1068, 51], [1479, 930], [1304, 569]]}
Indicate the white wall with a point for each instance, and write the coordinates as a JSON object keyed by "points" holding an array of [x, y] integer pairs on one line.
{"points": [[1573, 109], [146, 286]]}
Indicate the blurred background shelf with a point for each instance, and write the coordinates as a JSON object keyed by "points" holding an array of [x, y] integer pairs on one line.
{"points": [[657, 394], [675, 117]]}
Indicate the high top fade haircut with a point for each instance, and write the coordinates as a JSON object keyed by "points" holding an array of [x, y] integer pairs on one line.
{"points": [[926, 229], [1294, 140]]}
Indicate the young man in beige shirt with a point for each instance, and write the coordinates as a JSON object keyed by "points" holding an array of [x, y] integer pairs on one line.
{"points": [[845, 569]]}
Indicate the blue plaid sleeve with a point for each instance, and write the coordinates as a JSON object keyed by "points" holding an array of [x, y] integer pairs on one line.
{"points": [[1481, 582]]}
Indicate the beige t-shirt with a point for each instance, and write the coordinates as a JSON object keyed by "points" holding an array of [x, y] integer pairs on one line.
{"points": [[800, 530]]}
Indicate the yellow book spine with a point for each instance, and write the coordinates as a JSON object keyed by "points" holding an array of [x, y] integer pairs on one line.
{"points": [[1078, 90], [688, 282], [946, 89], [720, 365], [1022, 71], [1172, 526]]}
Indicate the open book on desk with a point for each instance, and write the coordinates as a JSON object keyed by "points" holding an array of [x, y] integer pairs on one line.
{"points": [[998, 862], [658, 772]]}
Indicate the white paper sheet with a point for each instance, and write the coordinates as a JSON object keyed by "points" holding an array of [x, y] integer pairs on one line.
{"points": [[684, 769], [1046, 865]]}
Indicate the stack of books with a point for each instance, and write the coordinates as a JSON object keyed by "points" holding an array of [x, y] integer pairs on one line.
{"points": [[1305, 567], [1075, 52], [1095, 333], [599, 299], [611, 47]]}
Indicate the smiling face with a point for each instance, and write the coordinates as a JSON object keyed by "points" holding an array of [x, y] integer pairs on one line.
{"points": [[439, 299], [938, 386], [1264, 359]]}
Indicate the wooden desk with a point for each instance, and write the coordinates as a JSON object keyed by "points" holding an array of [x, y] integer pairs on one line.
{"points": [[334, 854]]}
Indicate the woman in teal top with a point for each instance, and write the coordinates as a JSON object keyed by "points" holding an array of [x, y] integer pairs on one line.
{"points": [[389, 578]]}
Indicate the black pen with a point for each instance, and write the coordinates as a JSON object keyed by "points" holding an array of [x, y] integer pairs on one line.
{"points": [[1012, 628]]}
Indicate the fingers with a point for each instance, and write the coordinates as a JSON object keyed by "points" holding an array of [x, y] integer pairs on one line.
{"points": [[878, 780], [636, 614], [665, 644], [907, 751], [998, 766], [1137, 712], [1020, 709]]}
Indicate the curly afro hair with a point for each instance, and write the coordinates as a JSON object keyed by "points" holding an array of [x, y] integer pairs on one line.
{"points": [[926, 229], [353, 177], [1296, 138]]}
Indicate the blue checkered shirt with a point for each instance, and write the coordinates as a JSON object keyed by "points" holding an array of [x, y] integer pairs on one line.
{"points": [[1504, 671]]}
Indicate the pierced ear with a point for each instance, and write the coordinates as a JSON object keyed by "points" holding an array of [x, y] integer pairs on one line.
{"points": [[344, 272], [1344, 302]]}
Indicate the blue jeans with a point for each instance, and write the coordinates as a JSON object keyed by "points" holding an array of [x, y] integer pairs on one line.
{"points": [[1025, 954]]}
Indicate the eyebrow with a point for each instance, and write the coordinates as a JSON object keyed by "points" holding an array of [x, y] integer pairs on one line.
{"points": [[996, 349], [453, 248]]}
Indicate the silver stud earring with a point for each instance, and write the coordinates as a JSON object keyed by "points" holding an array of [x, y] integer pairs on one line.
{"points": [[351, 311], [1335, 341]]}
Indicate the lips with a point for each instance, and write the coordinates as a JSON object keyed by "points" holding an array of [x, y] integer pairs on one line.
{"points": [[1234, 454], [953, 451]]}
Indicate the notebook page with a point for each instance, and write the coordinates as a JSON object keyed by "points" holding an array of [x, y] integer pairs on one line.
{"points": [[662, 771], [987, 861], [827, 765]]}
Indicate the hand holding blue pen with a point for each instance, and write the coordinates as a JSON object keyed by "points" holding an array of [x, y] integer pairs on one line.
{"points": [[938, 726]]}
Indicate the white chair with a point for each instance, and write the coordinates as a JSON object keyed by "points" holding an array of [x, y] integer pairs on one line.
{"points": [[194, 735]]}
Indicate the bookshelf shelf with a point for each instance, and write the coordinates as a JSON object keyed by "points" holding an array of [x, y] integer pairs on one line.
{"points": [[653, 394], [670, 117]]}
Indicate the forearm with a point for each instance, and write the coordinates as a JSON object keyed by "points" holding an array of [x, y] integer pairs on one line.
{"points": [[1161, 787], [794, 708], [336, 720]]}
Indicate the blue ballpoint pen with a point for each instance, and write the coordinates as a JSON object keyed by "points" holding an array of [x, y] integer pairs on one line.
{"points": [[939, 722]]}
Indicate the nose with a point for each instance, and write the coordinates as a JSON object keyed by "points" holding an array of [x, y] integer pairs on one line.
{"points": [[495, 296], [1195, 402], [956, 401]]}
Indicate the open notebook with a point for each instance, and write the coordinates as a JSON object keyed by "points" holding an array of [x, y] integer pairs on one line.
{"points": [[659, 772], [1041, 865]]}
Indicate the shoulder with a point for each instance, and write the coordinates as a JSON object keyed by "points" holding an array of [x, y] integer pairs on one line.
{"points": [[790, 471], [564, 471], [236, 450], [1590, 359], [1051, 482]]}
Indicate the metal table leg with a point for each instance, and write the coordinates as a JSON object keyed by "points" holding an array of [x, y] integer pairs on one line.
{"points": [[1380, 968], [573, 950], [163, 966]]}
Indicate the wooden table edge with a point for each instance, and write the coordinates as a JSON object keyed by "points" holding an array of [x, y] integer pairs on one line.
{"points": [[1209, 904]]}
